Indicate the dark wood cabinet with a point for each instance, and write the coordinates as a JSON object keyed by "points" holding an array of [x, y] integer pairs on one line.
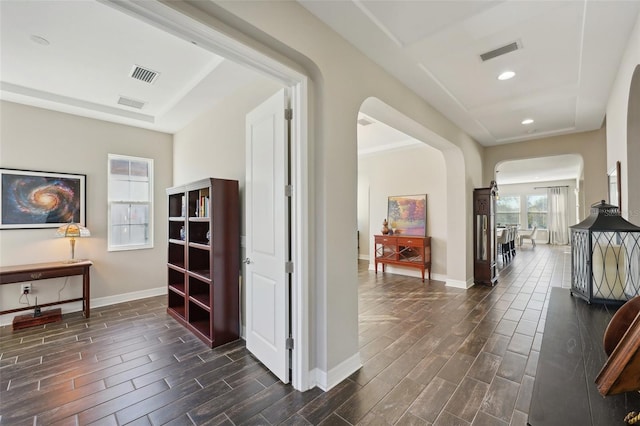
{"points": [[204, 259], [409, 251], [484, 237]]}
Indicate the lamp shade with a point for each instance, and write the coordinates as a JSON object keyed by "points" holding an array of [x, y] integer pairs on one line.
{"points": [[72, 230]]}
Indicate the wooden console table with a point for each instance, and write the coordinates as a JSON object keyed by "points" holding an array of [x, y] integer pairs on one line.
{"points": [[42, 271], [410, 251]]}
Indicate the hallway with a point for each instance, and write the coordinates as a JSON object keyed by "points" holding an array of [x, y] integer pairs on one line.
{"points": [[438, 355], [431, 355]]}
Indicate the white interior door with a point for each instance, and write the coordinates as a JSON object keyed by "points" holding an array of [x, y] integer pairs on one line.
{"points": [[267, 235]]}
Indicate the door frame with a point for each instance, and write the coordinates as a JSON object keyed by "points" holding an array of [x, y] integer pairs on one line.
{"points": [[188, 28]]}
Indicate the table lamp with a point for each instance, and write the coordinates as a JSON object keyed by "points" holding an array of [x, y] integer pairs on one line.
{"points": [[72, 230]]}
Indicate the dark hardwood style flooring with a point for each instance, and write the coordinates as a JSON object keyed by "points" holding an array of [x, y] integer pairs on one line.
{"points": [[431, 355]]}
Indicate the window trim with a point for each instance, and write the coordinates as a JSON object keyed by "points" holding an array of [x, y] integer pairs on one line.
{"points": [[150, 203]]}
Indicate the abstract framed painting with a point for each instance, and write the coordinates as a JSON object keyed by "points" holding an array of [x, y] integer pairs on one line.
{"points": [[407, 214], [33, 199]]}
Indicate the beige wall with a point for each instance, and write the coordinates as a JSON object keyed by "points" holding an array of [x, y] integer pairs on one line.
{"points": [[415, 170], [590, 145], [342, 78], [37, 139], [621, 145]]}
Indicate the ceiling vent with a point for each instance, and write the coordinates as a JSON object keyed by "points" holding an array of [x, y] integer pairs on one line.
{"points": [[364, 122], [143, 74], [500, 51], [131, 102]]}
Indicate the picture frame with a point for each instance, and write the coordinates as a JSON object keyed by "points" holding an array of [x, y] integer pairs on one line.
{"points": [[407, 215], [37, 199]]}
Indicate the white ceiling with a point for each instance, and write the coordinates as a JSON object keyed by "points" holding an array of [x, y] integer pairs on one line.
{"points": [[565, 68], [543, 169], [568, 57], [92, 50], [375, 136]]}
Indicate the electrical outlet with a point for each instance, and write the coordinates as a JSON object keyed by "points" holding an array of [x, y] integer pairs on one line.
{"points": [[25, 288]]}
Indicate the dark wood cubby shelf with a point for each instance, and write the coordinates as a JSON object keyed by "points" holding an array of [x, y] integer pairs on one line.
{"points": [[203, 294]]}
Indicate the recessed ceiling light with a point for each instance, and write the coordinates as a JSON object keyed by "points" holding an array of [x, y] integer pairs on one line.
{"points": [[506, 75], [527, 121], [40, 40]]}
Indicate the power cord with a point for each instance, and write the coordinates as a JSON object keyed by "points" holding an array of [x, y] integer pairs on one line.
{"points": [[62, 288], [25, 295]]}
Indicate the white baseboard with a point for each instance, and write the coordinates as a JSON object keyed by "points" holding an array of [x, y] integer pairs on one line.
{"points": [[363, 257], [98, 302], [326, 381], [459, 283], [127, 297]]}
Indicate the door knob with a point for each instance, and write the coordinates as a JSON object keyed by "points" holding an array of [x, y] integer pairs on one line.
{"points": [[247, 261]]}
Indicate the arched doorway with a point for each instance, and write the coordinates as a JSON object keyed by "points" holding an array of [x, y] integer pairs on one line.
{"points": [[631, 206], [452, 180], [542, 193]]}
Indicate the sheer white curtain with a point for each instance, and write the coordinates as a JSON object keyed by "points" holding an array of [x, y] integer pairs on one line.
{"points": [[558, 223]]}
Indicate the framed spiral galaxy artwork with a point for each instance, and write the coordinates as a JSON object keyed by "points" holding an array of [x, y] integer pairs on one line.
{"points": [[31, 199]]}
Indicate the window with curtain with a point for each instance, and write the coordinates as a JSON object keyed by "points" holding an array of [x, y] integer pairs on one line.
{"points": [[130, 203], [558, 220], [508, 210], [537, 211]]}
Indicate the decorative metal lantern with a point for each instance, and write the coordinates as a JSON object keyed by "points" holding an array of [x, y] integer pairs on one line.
{"points": [[605, 257]]}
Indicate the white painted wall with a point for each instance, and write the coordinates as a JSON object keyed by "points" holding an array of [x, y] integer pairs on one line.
{"points": [[621, 147], [341, 79], [37, 139], [363, 215], [411, 171], [213, 145]]}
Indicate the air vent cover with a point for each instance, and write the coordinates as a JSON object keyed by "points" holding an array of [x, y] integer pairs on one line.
{"points": [[131, 102], [144, 74], [500, 51]]}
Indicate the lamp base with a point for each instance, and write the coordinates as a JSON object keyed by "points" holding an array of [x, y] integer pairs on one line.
{"points": [[72, 260]]}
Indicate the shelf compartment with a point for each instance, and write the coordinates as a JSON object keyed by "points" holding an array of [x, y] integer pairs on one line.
{"points": [[177, 205], [200, 292], [198, 230], [176, 281], [177, 230], [200, 319], [176, 254], [176, 304], [199, 260], [199, 203]]}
